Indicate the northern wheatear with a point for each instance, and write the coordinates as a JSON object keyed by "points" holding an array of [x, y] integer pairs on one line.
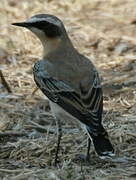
{"points": [[70, 81]]}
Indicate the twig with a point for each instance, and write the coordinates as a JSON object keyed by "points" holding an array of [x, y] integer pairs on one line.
{"points": [[2, 134], [4, 82], [34, 91], [14, 170], [130, 149], [132, 134], [41, 128], [25, 175], [95, 44]]}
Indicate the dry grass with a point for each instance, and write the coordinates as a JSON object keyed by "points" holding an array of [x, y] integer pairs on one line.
{"points": [[103, 30]]}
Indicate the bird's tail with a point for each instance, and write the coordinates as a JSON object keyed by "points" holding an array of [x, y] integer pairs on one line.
{"points": [[102, 143]]}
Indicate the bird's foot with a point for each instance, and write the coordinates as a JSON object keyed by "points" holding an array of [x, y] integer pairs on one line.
{"points": [[88, 158], [82, 158], [56, 163]]}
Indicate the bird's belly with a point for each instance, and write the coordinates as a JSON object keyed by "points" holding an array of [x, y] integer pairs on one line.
{"points": [[61, 114]]}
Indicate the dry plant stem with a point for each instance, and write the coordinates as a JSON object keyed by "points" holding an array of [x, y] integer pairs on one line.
{"points": [[14, 170], [132, 134], [40, 128], [2, 134], [22, 176], [4, 82], [58, 142], [34, 91]]}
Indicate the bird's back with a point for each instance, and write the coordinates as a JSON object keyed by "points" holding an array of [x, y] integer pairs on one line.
{"points": [[71, 67]]}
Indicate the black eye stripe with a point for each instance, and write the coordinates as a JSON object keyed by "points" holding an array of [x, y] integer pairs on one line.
{"points": [[40, 24], [50, 30]]}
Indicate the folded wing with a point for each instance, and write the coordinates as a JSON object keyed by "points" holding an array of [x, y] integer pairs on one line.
{"points": [[85, 106]]}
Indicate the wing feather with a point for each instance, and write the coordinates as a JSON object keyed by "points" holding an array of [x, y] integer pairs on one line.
{"points": [[86, 106]]}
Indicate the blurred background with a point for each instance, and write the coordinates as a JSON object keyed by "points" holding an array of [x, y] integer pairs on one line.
{"points": [[104, 31]]}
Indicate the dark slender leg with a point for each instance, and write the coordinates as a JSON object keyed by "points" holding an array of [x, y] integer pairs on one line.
{"points": [[85, 158], [58, 142], [88, 150]]}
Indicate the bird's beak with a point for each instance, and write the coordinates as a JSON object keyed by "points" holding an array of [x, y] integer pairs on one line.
{"points": [[22, 24]]}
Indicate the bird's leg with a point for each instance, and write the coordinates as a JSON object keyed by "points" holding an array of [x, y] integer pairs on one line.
{"points": [[88, 150], [58, 142], [85, 158]]}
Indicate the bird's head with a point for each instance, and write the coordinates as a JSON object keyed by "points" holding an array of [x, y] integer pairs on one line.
{"points": [[48, 28], [49, 25]]}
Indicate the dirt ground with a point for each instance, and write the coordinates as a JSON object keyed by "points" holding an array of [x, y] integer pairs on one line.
{"points": [[103, 30]]}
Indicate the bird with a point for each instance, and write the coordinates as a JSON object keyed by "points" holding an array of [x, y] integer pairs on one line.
{"points": [[70, 81]]}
